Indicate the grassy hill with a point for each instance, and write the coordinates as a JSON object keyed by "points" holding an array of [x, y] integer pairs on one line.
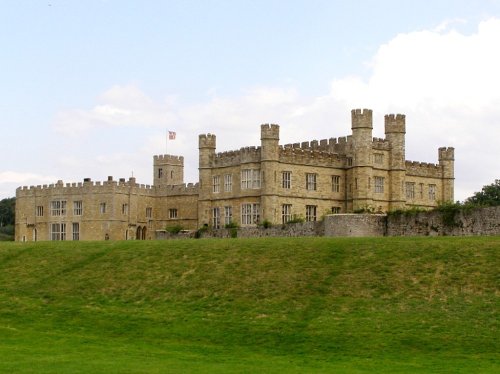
{"points": [[286, 305]]}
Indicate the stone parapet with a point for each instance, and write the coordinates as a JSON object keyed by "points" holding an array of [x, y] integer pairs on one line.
{"points": [[423, 169]]}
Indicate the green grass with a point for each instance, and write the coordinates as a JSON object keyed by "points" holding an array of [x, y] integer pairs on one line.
{"points": [[277, 305]]}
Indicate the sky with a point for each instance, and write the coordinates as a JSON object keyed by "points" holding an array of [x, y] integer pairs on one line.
{"points": [[88, 89]]}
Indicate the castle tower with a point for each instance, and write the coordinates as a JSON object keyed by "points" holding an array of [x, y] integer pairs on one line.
{"points": [[269, 156], [168, 170], [447, 163], [362, 126], [206, 147], [395, 130]]}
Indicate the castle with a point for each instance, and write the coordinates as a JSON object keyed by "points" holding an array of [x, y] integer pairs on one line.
{"points": [[272, 182]]}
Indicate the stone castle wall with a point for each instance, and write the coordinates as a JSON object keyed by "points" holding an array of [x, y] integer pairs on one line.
{"points": [[477, 221], [467, 222]]}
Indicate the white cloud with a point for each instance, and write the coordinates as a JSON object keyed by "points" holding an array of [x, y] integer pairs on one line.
{"points": [[10, 180], [25, 178], [445, 82], [120, 106]]}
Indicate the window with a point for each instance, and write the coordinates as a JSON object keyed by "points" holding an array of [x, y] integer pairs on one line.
{"points": [[250, 179], [58, 231], [421, 192], [228, 215], [379, 184], [58, 208], [172, 213], [349, 161], [335, 210], [410, 190], [77, 208], [76, 231], [160, 172], [311, 182], [228, 182], [39, 211], [124, 208], [432, 192], [335, 183], [311, 213], [149, 212], [216, 184], [102, 208], [286, 179], [378, 158], [216, 218], [286, 213], [250, 214]]}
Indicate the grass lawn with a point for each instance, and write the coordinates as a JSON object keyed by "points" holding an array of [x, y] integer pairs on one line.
{"points": [[274, 305]]}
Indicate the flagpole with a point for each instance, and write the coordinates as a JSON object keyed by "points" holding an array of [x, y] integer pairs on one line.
{"points": [[166, 143]]}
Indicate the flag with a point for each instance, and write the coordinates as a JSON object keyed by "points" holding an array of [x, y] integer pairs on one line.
{"points": [[171, 135]]}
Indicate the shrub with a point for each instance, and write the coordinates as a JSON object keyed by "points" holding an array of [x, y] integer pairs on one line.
{"points": [[174, 230], [412, 211], [266, 224], [365, 209], [232, 225], [296, 219]]}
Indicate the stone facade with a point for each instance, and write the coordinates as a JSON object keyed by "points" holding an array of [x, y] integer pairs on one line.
{"points": [[270, 182]]}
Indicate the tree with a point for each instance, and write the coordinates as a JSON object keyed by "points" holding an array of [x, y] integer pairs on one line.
{"points": [[7, 211], [488, 196]]}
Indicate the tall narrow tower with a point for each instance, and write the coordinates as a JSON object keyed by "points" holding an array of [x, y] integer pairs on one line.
{"points": [[206, 146], [395, 130], [447, 163], [362, 126], [269, 159]]}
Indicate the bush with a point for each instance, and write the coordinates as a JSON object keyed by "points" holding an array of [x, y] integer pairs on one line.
{"points": [[232, 225], [266, 224], [233, 229], [174, 230], [365, 209], [296, 219], [408, 212]]}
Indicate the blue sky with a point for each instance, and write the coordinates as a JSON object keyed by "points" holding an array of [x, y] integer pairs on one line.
{"points": [[89, 88]]}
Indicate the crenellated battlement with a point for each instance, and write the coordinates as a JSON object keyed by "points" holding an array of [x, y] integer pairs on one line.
{"points": [[332, 145], [395, 123], [361, 118], [207, 141], [231, 158], [423, 169], [380, 144], [169, 159], [446, 154], [296, 155], [179, 189], [269, 131], [86, 187]]}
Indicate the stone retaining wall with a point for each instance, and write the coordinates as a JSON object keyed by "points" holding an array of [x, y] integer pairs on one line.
{"points": [[466, 222]]}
